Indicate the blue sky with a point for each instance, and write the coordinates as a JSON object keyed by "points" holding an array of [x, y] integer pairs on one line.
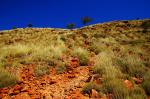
{"points": [[57, 13]]}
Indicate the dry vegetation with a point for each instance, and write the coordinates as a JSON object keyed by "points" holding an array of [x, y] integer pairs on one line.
{"points": [[116, 52]]}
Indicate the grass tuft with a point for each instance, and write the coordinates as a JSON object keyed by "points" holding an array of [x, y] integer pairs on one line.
{"points": [[41, 70], [82, 55], [7, 78]]}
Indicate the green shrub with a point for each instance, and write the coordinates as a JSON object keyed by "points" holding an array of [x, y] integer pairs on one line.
{"points": [[82, 55], [86, 20], [146, 24], [7, 78], [70, 26], [14, 27], [30, 25], [41, 70]]}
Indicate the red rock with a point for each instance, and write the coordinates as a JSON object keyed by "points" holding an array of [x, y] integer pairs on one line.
{"points": [[128, 84], [57, 97], [2, 96], [94, 94], [30, 92], [25, 88], [35, 96], [15, 92], [71, 76], [4, 90], [74, 60], [6, 97], [104, 97], [98, 81], [76, 95], [52, 82], [74, 63], [130, 52], [137, 81], [109, 96], [17, 87], [22, 96]]}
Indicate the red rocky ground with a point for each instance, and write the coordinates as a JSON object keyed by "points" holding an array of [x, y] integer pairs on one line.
{"points": [[67, 85]]}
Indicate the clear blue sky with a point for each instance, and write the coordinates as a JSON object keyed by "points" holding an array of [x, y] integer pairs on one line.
{"points": [[57, 13]]}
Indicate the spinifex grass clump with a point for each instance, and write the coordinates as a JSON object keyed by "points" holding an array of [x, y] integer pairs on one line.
{"points": [[61, 67], [41, 70], [95, 48], [104, 66], [48, 52], [82, 55], [137, 93], [131, 65], [116, 88], [7, 78], [13, 55], [17, 50]]}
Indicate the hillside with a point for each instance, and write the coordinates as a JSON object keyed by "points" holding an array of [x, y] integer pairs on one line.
{"points": [[102, 61]]}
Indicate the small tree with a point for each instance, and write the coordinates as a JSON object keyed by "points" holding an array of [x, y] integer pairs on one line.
{"points": [[70, 25], [14, 27], [86, 20], [30, 25]]}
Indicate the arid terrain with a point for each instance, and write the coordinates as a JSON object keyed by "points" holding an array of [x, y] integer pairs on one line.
{"points": [[102, 61]]}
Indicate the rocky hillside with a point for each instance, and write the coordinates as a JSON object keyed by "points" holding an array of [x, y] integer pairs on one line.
{"points": [[102, 61]]}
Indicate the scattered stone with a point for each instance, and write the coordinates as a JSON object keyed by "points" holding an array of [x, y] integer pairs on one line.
{"points": [[15, 92], [74, 63], [109, 96], [22, 96], [57, 97], [30, 92], [52, 82], [71, 76], [25, 88], [128, 84], [94, 94], [6, 97], [17, 87], [4, 90], [137, 81]]}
